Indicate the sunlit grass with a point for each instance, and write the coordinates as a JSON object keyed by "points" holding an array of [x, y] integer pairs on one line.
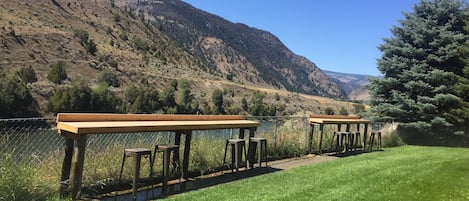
{"points": [[403, 173]]}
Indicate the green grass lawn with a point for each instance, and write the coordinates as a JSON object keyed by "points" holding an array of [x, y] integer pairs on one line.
{"points": [[402, 173]]}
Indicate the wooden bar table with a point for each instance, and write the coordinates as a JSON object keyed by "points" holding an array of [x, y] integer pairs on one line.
{"points": [[75, 127], [338, 120]]}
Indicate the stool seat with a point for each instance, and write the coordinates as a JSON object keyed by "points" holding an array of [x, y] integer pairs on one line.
{"points": [[137, 151], [234, 141], [257, 139], [162, 147]]}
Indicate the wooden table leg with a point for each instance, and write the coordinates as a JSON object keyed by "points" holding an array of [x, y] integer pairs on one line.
{"points": [[79, 163], [66, 167], [311, 140], [365, 135], [251, 149], [185, 161], [321, 133]]}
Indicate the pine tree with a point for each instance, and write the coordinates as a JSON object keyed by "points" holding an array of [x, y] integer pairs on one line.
{"points": [[421, 64]]}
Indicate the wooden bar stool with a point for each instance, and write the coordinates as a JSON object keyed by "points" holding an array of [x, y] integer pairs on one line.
{"points": [[372, 140], [357, 142], [237, 145], [342, 141], [137, 154], [176, 165], [261, 143]]}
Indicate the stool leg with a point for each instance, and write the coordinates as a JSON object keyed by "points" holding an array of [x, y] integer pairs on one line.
{"points": [[265, 153], [357, 140], [137, 160], [233, 157], [259, 147], [372, 141], [237, 157], [337, 143], [245, 154], [332, 140], [224, 157], [122, 167], [343, 137], [165, 170], [379, 141]]}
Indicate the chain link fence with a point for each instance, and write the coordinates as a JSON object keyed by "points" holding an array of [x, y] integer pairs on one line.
{"points": [[34, 142]]}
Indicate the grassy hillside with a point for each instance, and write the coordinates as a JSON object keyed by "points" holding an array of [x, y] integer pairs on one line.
{"points": [[402, 173], [41, 33]]}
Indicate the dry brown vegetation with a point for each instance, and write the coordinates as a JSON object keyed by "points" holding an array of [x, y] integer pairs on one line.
{"points": [[40, 33]]}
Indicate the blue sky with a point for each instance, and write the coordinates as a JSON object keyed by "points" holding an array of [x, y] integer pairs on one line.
{"points": [[340, 36]]}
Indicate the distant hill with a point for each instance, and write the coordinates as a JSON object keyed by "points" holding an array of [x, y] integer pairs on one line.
{"points": [[354, 85]]}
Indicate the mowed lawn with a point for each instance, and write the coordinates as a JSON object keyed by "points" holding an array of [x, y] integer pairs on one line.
{"points": [[402, 173]]}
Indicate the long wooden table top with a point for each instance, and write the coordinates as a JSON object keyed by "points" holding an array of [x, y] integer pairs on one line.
{"points": [[337, 121], [150, 126]]}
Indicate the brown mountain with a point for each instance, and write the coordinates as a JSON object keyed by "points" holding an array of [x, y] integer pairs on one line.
{"points": [[355, 85], [235, 51], [156, 40]]}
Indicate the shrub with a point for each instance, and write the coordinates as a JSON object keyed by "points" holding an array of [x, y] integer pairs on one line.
{"points": [[329, 111], [57, 73], [343, 111], [109, 78], [27, 74], [91, 47], [82, 35]]}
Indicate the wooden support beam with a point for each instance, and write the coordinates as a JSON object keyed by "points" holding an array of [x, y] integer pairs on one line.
{"points": [[79, 163], [66, 167]]}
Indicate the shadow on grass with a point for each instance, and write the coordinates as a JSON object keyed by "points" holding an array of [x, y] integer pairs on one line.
{"points": [[353, 153], [226, 177]]}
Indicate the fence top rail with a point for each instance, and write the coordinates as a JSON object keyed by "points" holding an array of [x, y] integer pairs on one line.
{"points": [[98, 117], [323, 116]]}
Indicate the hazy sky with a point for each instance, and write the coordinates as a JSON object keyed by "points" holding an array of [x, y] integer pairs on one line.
{"points": [[337, 35]]}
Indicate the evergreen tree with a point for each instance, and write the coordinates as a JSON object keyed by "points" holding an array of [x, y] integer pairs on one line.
{"points": [[421, 63]]}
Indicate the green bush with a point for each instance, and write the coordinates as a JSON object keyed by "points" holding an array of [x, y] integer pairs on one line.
{"points": [[57, 74], [27, 74], [329, 111], [15, 96], [108, 77]]}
